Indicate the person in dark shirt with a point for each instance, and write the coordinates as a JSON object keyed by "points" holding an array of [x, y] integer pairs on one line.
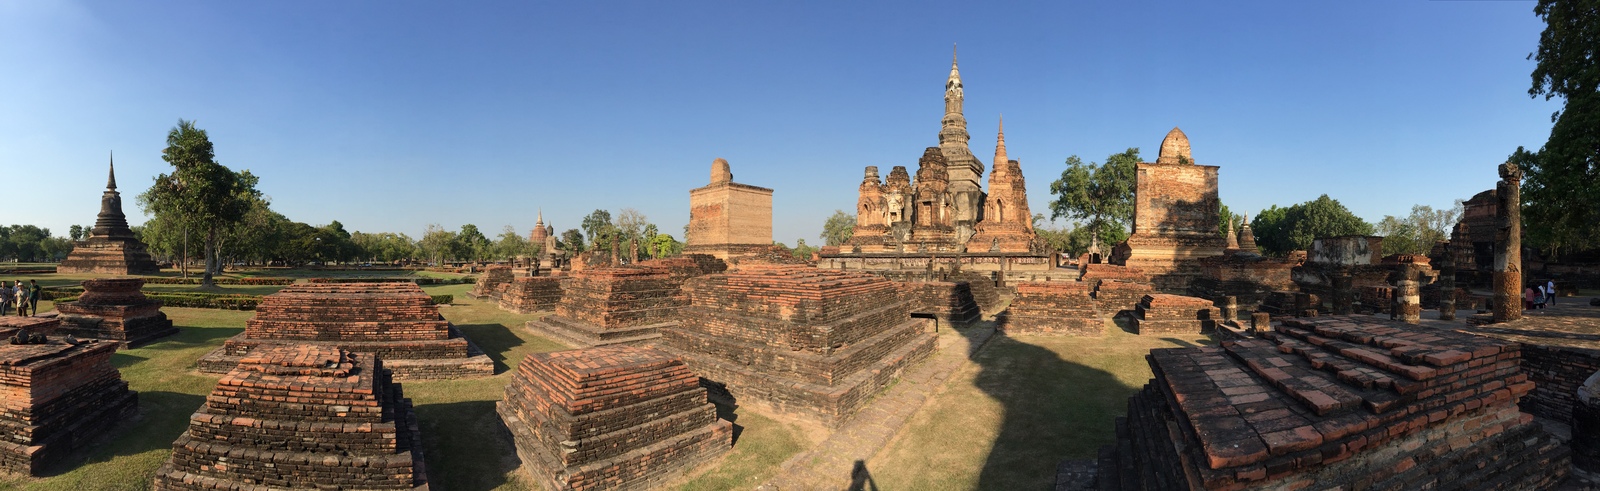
{"points": [[33, 296]]}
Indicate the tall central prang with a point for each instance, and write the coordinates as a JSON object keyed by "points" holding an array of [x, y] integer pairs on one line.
{"points": [[964, 169]]}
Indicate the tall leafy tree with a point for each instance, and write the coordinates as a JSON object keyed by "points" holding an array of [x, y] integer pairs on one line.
{"points": [[76, 232], [838, 229], [1280, 230], [1098, 197], [572, 241], [471, 244], [1561, 193], [199, 192], [598, 230]]}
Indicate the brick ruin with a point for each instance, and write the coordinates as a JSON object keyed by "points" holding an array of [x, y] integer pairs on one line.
{"points": [[612, 417], [1053, 307], [494, 282], [951, 302], [1006, 224], [1117, 289], [396, 321], [303, 416], [620, 305], [529, 294], [111, 247], [814, 342], [115, 309], [1508, 245], [1175, 217], [728, 219], [57, 396], [1160, 313], [10, 325], [1335, 402]]}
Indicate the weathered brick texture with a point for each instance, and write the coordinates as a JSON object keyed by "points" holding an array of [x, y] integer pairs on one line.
{"points": [[618, 305], [1335, 403], [1056, 307], [493, 283], [1174, 314], [396, 321], [612, 417], [300, 416], [531, 294], [950, 302], [55, 397], [814, 342], [115, 309]]}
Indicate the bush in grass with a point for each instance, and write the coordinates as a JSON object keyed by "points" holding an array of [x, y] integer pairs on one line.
{"points": [[207, 300], [221, 281], [420, 281], [443, 299]]}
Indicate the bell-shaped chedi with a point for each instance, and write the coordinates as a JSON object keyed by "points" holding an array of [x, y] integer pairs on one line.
{"points": [[111, 247], [1176, 211]]}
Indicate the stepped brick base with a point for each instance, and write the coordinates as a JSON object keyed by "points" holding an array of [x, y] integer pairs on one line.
{"points": [[114, 309], [493, 284], [1118, 297], [55, 397], [396, 321], [1161, 313], [305, 417], [10, 325], [1335, 403], [1054, 307], [527, 295], [814, 342], [108, 257], [614, 418], [950, 302]]}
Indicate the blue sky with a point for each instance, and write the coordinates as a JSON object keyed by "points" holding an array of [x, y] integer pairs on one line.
{"points": [[389, 116]]}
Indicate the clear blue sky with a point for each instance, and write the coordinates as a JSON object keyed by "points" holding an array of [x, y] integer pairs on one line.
{"points": [[388, 116]]}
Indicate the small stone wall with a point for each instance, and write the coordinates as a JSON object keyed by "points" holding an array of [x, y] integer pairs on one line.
{"points": [[530, 294], [10, 325], [613, 417], [1335, 403], [950, 302], [396, 321], [1174, 314], [1118, 297], [814, 342], [1052, 308], [115, 309], [493, 283], [306, 417], [55, 397], [1556, 372]]}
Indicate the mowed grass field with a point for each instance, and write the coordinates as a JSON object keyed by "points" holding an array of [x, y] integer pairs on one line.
{"points": [[1002, 422]]}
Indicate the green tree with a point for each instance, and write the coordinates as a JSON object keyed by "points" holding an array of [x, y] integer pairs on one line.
{"points": [[572, 241], [1561, 194], [802, 251], [1098, 197], [663, 245], [1053, 238], [511, 244], [199, 193], [597, 228], [1224, 215], [437, 243], [1280, 230], [630, 225], [76, 233], [471, 244], [838, 228]]}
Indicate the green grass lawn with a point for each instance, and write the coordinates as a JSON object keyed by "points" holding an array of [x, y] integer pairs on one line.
{"points": [[1004, 421]]}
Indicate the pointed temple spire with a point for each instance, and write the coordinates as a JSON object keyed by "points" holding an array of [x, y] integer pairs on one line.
{"points": [[111, 180], [999, 149]]}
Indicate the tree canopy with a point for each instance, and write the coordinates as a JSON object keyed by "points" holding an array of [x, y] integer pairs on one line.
{"points": [[1561, 193], [200, 194], [838, 229], [1098, 197], [1280, 230]]}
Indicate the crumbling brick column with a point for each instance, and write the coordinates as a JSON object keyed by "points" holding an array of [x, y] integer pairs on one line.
{"points": [[1343, 293], [1260, 321], [1508, 245], [1230, 308], [1447, 286]]}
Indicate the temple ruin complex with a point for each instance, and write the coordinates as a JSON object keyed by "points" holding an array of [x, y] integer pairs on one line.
{"points": [[111, 247], [1175, 217]]}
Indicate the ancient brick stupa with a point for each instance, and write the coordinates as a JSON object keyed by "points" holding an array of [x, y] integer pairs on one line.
{"points": [[1335, 403], [115, 309], [613, 305], [300, 417], [395, 320], [111, 247], [728, 219], [57, 396], [814, 342], [1054, 307], [1175, 217], [613, 417]]}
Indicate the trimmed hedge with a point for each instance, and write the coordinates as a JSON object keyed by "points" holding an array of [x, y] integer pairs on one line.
{"points": [[57, 293], [221, 281], [442, 299], [207, 300], [419, 280]]}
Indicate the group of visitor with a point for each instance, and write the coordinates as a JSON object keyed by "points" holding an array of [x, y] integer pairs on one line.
{"points": [[23, 297], [1539, 295]]}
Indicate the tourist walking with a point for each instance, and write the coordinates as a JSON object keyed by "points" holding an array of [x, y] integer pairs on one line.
{"points": [[22, 298], [34, 292], [1552, 290], [5, 298]]}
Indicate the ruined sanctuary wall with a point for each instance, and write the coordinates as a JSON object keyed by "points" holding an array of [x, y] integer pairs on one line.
{"points": [[1176, 199], [730, 213]]}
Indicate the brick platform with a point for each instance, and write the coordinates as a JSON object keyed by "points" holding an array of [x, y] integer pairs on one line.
{"points": [[530, 294], [613, 417], [814, 342], [396, 321], [950, 302], [1160, 313], [1053, 307], [115, 309], [305, 417], [55, 397], [1118, 297], [622, 305], [10, 325], [983, 289], [493, 284], [1334, 403]]}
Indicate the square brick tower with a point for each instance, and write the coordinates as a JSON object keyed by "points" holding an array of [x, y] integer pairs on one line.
{"points": [[1175, 217], [727, 218], [55, 397]]}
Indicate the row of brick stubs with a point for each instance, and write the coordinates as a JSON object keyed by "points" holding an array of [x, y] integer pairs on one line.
{"points": [[1174, 314], [300, 416], [802, 340], [614, 417], [55, 397], [1061, 307], [1338, 402]]}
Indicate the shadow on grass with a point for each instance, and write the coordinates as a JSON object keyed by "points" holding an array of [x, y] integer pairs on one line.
{"points": [[1038, 427], [191, 337], [162, 418], [725, 412], [1180, 342], [466, 445], [1124, 322], [496, 340]]}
